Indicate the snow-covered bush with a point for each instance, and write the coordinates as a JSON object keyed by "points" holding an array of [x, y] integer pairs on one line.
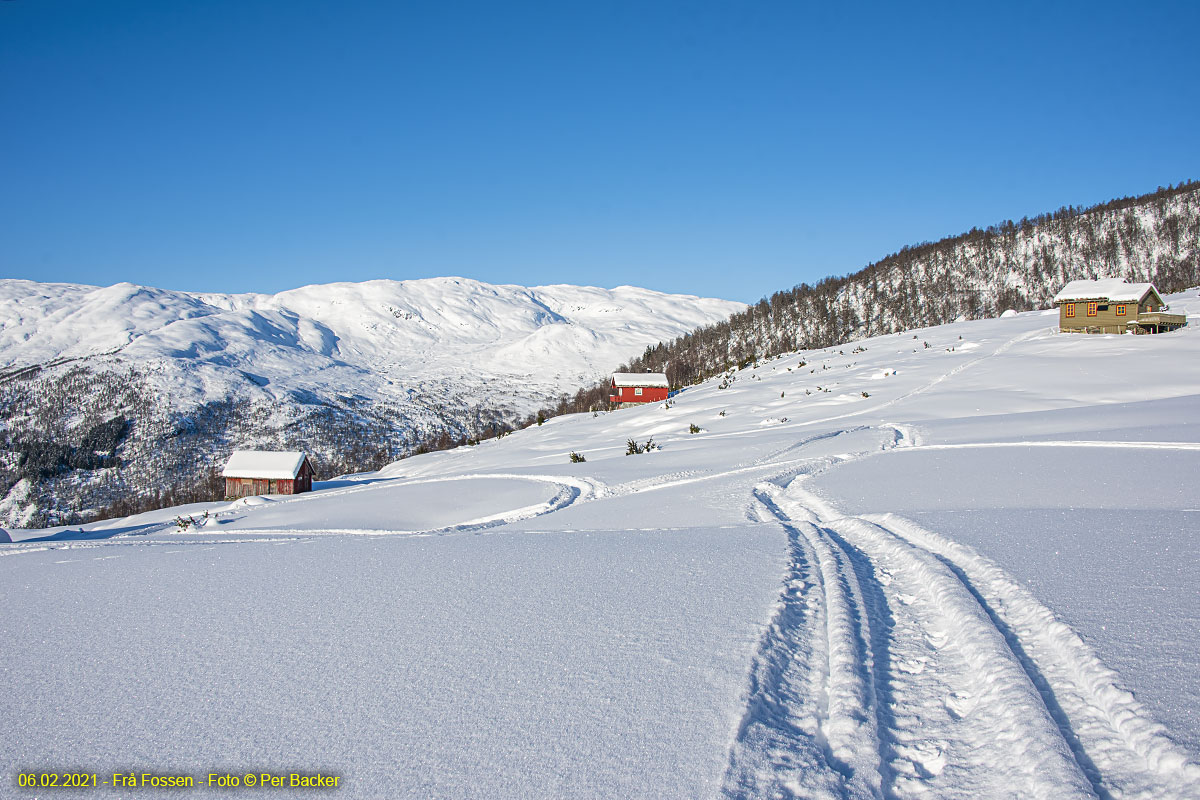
{"points": [[632, 447]]}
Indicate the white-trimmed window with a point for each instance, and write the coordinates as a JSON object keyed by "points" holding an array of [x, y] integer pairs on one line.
{"points": [[638, 391]]}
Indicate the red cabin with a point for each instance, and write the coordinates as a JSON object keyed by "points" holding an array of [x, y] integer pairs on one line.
{"points": [[253, 472], [638, 387]]}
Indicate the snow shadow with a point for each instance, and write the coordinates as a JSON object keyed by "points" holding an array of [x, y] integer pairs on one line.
{"points": [[80, 535]]}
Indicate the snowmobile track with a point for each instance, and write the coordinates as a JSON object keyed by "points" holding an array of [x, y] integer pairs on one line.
{"points": [[809, 724], [897, 657], [900, 663]]}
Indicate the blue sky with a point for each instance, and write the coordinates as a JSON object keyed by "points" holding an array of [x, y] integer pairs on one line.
{"points": [[727, 149]]}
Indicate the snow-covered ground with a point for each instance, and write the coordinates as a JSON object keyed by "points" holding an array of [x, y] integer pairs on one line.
{"points": [[967, 569]]}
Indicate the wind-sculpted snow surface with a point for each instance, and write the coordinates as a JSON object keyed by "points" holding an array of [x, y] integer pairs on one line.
{"points": [[958, 571]]}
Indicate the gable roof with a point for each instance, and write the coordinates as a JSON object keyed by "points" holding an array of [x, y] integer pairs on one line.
{"points": [[641, 379], [1114, 289], [277, 464]]}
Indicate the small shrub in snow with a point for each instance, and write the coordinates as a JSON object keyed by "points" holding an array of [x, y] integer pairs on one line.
{"points": [[183, 523], [577, 458], [781, 395], [694, 428], [864, 394], [632, 447], [722, 413]]}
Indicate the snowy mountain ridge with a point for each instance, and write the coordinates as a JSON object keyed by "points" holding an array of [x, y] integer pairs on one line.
{"points": [[955, 562], [551, 336], [355, 373]]}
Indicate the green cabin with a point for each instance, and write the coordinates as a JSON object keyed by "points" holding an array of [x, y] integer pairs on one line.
{"points": [[1110, 305]]}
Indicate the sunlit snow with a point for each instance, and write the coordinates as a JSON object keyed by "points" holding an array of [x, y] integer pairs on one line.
{"points": [[979, 579]]}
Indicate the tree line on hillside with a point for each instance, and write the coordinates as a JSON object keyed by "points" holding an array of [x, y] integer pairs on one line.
{"points": [[981, 273]]}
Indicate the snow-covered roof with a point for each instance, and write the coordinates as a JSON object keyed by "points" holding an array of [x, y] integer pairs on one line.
{"points": [[1113, 289], [641, 379], [277, 464]]}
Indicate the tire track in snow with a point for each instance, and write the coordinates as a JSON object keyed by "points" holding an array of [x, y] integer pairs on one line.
{"points": [[972, 676], [809, 728], [570, 491], [1131, 755], [958, 714], [881, 676]]}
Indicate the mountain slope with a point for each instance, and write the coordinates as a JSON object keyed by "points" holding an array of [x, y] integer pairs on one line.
{"points": [[356, 373], [979, 274], [961, 570]]}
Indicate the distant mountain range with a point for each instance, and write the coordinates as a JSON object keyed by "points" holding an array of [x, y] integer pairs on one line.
{"points": [[117, 393]]}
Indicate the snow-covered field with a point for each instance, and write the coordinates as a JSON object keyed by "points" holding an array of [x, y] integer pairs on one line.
{"points": [[963, 570]]}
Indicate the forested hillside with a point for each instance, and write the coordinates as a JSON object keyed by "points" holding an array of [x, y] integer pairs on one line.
{"points": [[978, 274]]}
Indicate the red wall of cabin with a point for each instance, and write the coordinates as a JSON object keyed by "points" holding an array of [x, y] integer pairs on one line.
{"points": [[650, 394]]}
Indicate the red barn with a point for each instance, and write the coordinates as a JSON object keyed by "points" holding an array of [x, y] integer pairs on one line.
{"points": [[638, 387], [251, 472]]}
